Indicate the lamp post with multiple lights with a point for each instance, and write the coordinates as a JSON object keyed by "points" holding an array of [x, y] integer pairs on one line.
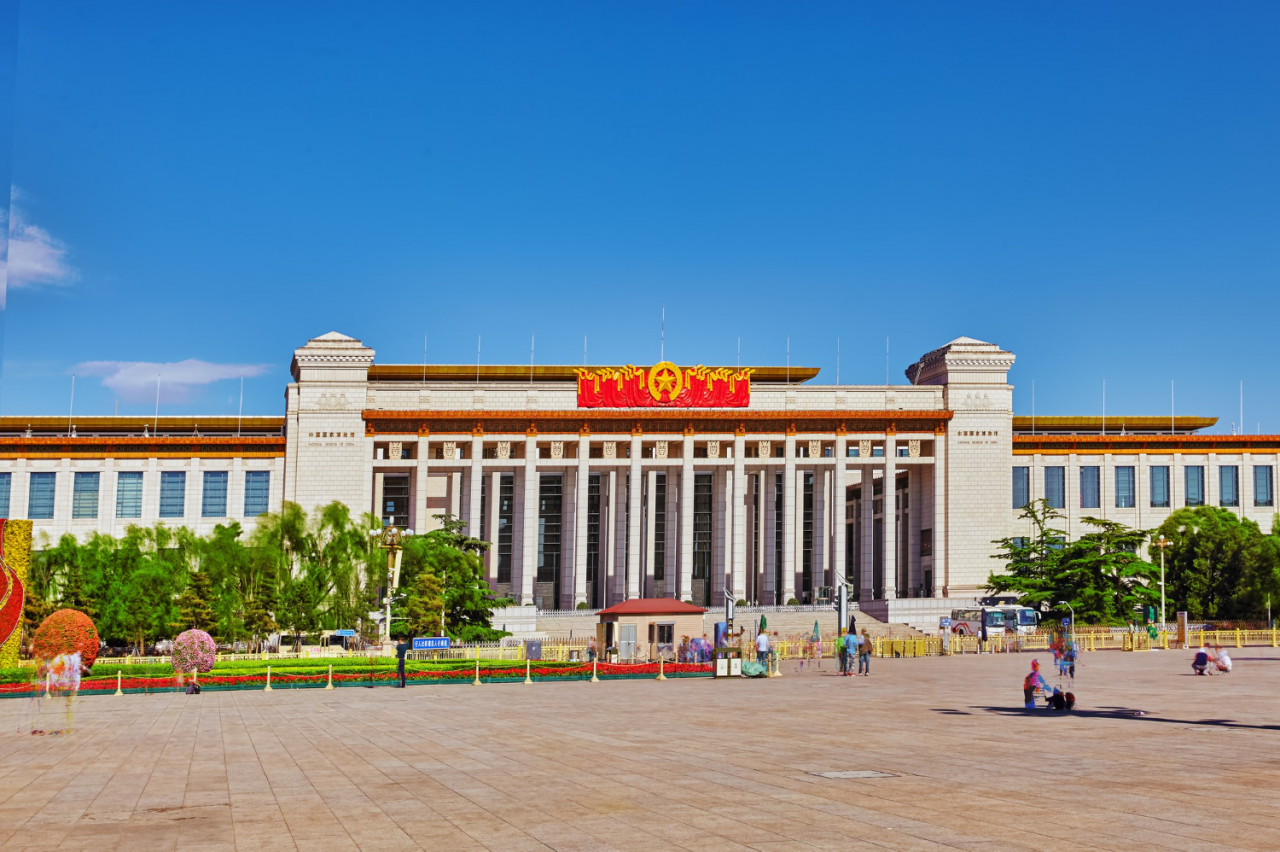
{"points": [[391, 539], [1161, 543]]}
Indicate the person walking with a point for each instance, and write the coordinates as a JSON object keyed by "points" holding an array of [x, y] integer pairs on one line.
{"points": [[762, 649], [402, 648], [864, 655], [844, 655], [850, 652]]}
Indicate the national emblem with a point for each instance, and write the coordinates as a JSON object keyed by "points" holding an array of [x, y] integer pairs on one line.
{"points": [[665, 377]]}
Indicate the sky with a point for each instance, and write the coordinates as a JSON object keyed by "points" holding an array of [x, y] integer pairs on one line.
{"points": [[197, 189]]}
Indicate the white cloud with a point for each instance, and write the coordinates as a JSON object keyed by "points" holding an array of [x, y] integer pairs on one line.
{"points": [[36, 257], [135, 381]]}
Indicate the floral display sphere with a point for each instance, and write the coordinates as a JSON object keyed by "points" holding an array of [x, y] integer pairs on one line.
{"points": [[194, 651], [66, 631]]}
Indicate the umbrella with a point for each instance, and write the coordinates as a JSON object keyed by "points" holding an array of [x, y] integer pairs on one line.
{"points": [[816, 633]]}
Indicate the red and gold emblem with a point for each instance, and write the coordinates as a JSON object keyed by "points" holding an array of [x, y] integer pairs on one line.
{"points": [[664, 385]]}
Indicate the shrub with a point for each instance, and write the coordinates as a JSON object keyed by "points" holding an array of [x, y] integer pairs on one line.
{"points": [[740, 602], [792, 602], [66, 631], [583, 605], [194, 649]]}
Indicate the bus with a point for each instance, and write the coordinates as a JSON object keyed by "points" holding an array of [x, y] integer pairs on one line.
{"points": [[1019, 620]]}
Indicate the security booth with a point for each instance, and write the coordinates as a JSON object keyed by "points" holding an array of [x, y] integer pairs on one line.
{"points": [[647, 628]]}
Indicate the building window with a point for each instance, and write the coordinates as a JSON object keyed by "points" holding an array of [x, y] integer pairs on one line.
{"points": [[484, 506], [1262, 495], [1160, 487], [84, 495], [213, 500], [1125, 497], [40, 496], [129, 494], [1021, 487], [1229, 485], [506, 512], [806, 540], [1194, 478], [6, 482], [702, 487], [173, 493], [1090, 487], [926, 542], [660, 527], [395, 499], [778, 517], [257, 492], [593, 539], [1055, 487], [550, 505]]}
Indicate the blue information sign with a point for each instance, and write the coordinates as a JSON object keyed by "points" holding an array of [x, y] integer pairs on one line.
{"points": [[431, 643], [346, 632], [1066, 622], [946, 621]]}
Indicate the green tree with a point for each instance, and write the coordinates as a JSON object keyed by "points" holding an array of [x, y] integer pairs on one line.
{"points": [[455, 559], [1220, 565], [424, 602], [195, 605], [1100, 574]]}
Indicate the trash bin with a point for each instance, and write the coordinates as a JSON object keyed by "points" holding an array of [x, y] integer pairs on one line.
{"points": [[728, 662]]}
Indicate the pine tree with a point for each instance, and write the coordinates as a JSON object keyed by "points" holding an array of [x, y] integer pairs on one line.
{"points": [[195, 605]]}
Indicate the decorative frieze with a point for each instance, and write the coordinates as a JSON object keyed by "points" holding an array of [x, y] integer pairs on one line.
{"points": [[395, 450], [609, 449], [913, 449], [504, 449], [557, 449], [449, 449], [766, 449], [660, 450], [815, 449], [713, 449], [864, 449]]}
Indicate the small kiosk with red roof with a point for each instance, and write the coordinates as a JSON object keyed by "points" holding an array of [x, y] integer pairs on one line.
{"points": [[644, 628]]}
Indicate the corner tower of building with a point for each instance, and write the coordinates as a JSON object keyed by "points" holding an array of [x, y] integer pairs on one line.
{"points": [[978, 444], [326, 458]]}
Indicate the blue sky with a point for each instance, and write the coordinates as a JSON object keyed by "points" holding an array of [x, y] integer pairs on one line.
{"points": [[206, 186]]}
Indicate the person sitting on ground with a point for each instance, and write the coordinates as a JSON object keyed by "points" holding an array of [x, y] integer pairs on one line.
{"points": [[1200, 664], [1058, 701], [1032, 682], [1223, 661]]}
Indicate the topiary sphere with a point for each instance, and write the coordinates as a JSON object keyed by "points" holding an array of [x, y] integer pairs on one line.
{"points": [[66, 631], [194, 651]]}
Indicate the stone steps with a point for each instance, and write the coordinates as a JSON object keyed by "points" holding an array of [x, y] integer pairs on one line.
{"points": [[788, 623]]}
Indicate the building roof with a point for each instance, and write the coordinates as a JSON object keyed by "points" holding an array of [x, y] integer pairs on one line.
{"points": [[653, 606], [472, 373], [1110, 425]]}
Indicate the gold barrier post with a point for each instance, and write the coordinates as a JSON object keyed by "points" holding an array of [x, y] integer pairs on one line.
{"points": [[268, 688], [1273, 637], [476, 682], [329, 685], [527, 664], [118, 691], [594, 679], [195, 677], [1238, 637], [661, 676]]}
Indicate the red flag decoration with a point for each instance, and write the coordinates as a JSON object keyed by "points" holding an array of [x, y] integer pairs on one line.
{"points": [[11, 595], [664, 385]]}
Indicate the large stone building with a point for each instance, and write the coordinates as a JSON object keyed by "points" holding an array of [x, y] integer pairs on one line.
{"points": [[603, 484]]}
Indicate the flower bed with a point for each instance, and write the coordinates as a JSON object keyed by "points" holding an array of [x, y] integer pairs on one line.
{"points": [[295, 680]]}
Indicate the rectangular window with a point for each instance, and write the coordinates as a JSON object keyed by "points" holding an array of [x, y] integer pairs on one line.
{"points": [[1090, 487], [1021, 487], [6, 482], [1262, 495], [926, 542], [1125, 497], [1160, 487], [1229, 485], [173, 493], [549, 506], [129, 494], [593, 540], [702, 485], [806, 540], [660, 527], [213, 500], [1194, 478], [1055, 486], [257, 492], [506, 513], [395, 499], [778, 539], [40, 496], [84, 495]]}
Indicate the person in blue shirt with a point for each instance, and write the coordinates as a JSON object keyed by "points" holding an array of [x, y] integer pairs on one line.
{"points": [[1033, 681]]}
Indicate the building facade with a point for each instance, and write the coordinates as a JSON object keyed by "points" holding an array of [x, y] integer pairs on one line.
{"points": [[598, 485]]}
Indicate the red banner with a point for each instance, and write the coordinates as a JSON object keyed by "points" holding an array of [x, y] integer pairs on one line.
{"points": [[664, 385]]}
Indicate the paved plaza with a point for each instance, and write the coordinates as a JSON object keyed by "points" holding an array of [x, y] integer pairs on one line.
{"points": [[682, 764]]}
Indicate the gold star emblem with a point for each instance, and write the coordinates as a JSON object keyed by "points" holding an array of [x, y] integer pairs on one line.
{"points": [[665, 378]]}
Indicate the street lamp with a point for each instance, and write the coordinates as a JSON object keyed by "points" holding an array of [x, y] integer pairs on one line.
{"points": [[1162, 543], [390, 539], [1073, 618]]}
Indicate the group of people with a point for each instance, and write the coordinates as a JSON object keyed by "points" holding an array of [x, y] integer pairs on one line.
{"points": [[1208, 660], [1055, 698], [853, 646]]}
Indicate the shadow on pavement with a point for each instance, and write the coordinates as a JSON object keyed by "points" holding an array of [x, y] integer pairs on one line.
{"points": [[1131, 714]]}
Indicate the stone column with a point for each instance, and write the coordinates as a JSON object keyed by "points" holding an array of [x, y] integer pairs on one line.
{"points": [[867, 540], [634, 542], [609, 543], [838, 503], [891, 590], [915, 510], [651, 520], [739, 506], [495, 500], [477, 471], [722, 577], [941, 577], [580, 522], [671, 569], [421, 516], [529, 523], [768, 553], [686, 519], [789, 519]]}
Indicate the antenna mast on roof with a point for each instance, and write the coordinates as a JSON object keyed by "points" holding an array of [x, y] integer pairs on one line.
{"points": [[662, 336], [837, 359], [788, 359], [477, 357], [886, 359], [1104, 406], [240, 413], [531, 359], [71, 409]]}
